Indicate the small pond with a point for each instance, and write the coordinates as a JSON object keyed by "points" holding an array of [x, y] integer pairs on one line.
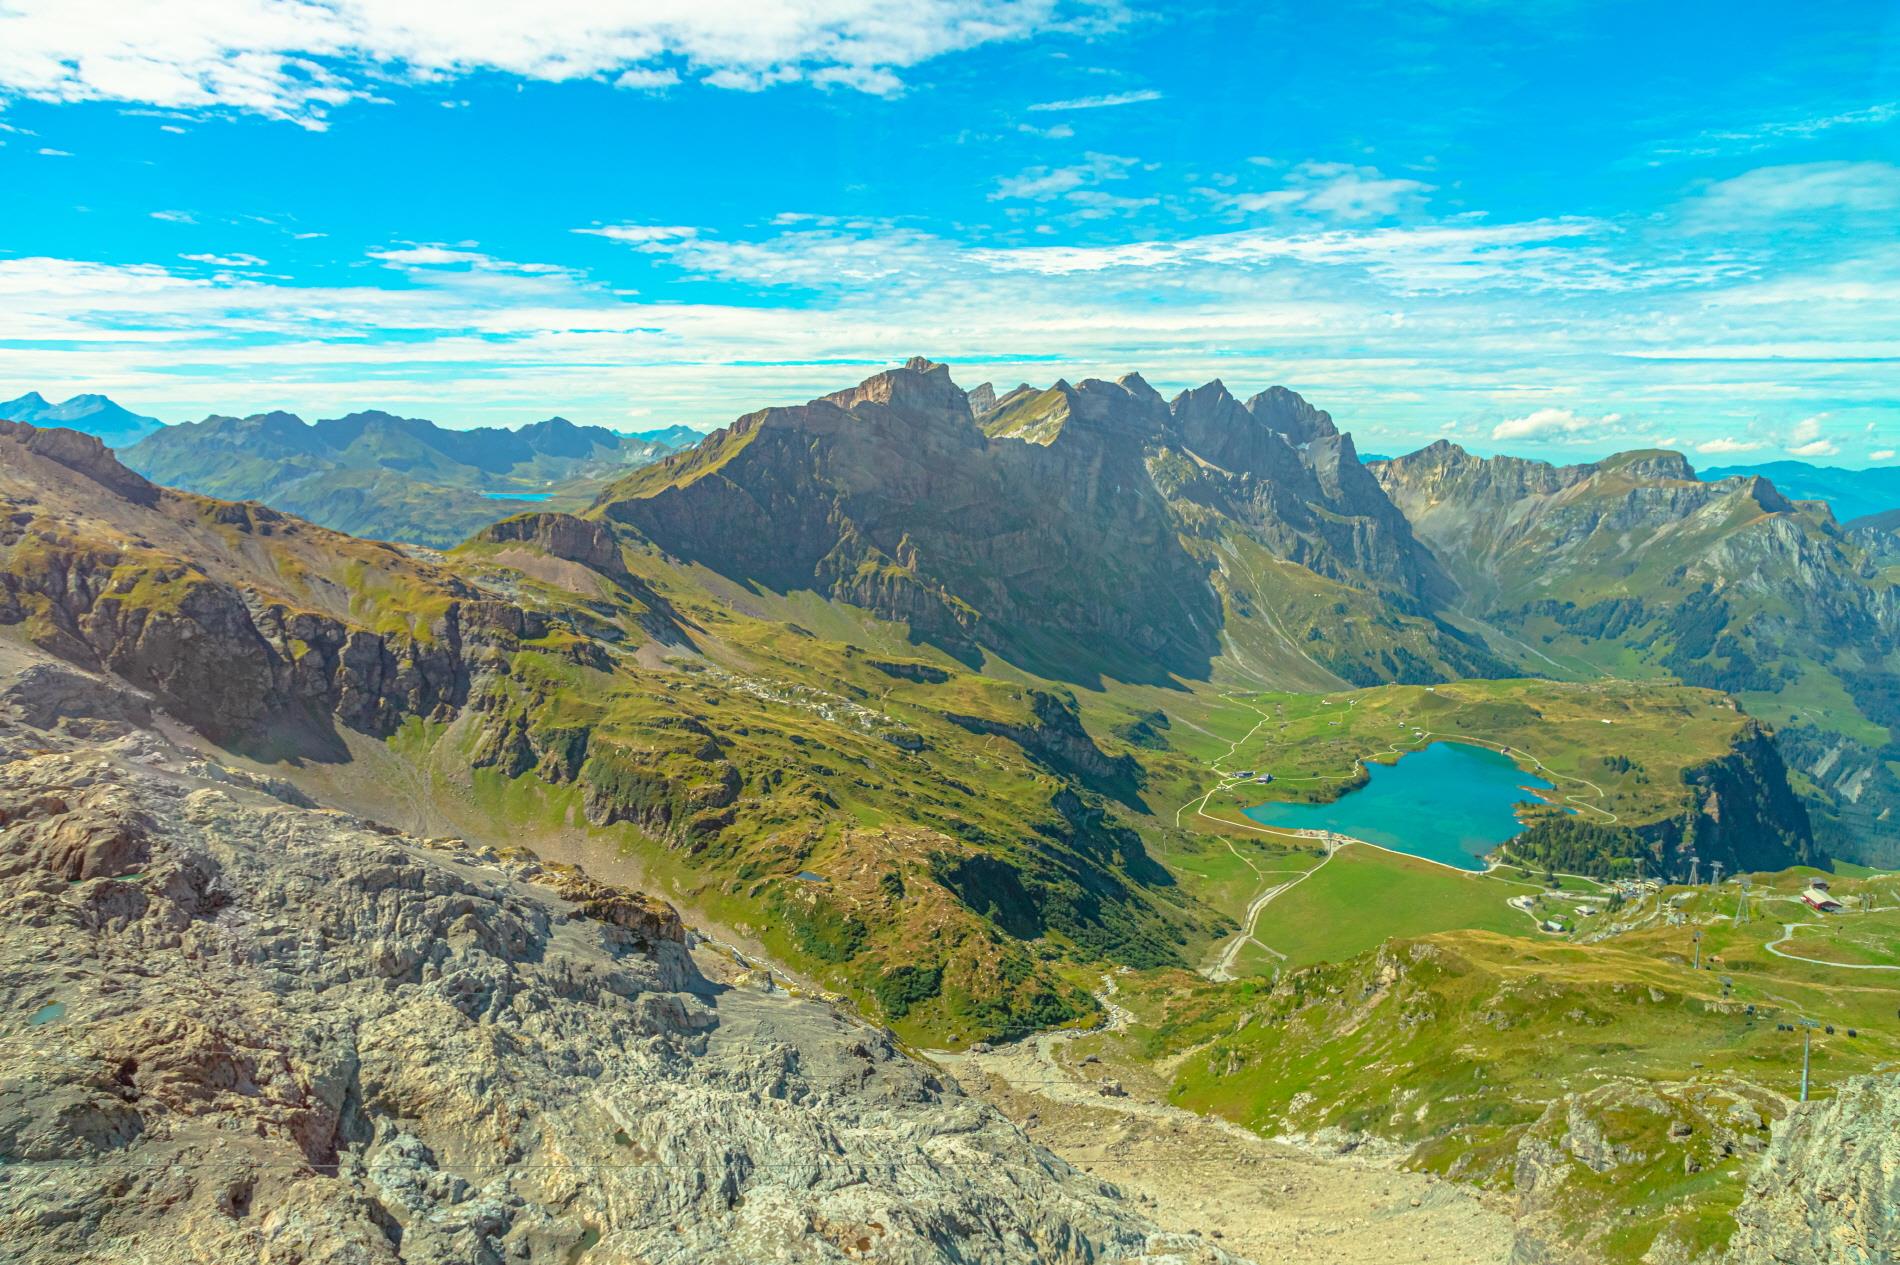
{"points": [[1451, 803]]}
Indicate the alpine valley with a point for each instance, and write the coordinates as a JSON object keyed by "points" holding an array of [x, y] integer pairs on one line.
{"points": [[829, 839]]}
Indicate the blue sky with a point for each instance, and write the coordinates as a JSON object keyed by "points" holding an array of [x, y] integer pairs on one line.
{"points": [[1545, 227]]}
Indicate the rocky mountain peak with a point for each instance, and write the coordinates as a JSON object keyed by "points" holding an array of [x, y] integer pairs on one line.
{"points": [[1650, 463], [83, 454], [1137, 386], [32, 399], [1288, 413], [1766, 495], [922, 388], [1206, 401], [1120, 408]]}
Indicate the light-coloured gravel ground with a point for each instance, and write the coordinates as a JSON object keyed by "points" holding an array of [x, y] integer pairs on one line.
{"points": [[1276, 1203]]}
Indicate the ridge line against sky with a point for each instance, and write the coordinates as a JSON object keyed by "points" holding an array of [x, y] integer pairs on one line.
{"points": [[1558, 228]]}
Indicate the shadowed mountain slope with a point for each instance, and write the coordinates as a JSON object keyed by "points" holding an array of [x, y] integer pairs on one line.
{"points": [[1081, 531]]}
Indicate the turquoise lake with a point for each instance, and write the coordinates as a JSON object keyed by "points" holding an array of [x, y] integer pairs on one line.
{"points": [[517, 496], [1451, 803]]}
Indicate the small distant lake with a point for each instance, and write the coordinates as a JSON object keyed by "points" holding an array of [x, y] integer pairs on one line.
{"points": [[517, 496], [51, 1012], [1451, 803]]}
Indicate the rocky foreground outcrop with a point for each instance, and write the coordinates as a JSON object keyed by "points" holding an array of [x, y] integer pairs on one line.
{"points": [[242, 1029], [1828, 1190]]}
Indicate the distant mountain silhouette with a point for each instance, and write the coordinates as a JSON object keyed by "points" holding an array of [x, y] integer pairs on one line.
{"points": [[96, 415]]}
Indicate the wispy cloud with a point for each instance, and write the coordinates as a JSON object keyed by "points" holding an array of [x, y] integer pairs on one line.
{"points": [[1727, 446], [1339, 191], [1039, 184], [1772, 132], [1102, 102], [300, 61], [1778, 193], [640, 234], [434, 255]]}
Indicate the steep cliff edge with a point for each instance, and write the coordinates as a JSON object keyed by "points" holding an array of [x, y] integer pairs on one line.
{"points": [[1828, 1190], [240, 619]]}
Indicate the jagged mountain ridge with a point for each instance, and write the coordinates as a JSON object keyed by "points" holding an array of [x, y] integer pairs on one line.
{"points": [[1076, 531], [91, 414], [1632, 564], [375, 474]]}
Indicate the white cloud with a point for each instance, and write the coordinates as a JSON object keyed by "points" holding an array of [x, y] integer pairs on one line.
{"points": [[299, 59], [1806, 440], [1336, 190], [1881, 454], [644, 79], [1724, 446], [1548, 423], [55, 153], [640, 234], [226, 261], [175, 217], [1463, 313], [1798, 189], [1102, 102], [1039, 184], [435, 255], [1060, 132]]}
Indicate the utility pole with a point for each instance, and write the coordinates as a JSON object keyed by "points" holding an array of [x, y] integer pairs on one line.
{"points": [[1698, 950], [1741, 902], [1807, 1027], [1695, 867], [1807, 1033], [1715, 877]]}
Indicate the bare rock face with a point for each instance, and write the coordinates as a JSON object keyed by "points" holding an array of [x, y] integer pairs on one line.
{"points": [[237, 1029], [83, 454], [586, 541], [240, 620], [1084, 515], [1828, 1190]]}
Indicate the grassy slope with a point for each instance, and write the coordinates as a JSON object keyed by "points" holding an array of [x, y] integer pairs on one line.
{"points": [[807, 716], [1477, 1049]]}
